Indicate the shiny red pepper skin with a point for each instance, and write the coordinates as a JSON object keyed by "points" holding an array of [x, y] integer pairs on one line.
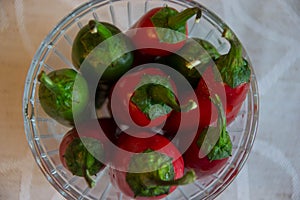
{"points": [[123, 109], [205, 114], [233, 98], [139, 144], [142, 120], [145, 35]]}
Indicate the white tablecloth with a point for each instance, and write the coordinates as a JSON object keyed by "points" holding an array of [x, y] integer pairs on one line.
{"points": [[270, 32]]}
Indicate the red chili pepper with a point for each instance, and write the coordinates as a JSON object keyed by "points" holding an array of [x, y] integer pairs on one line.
{"points": [[236, 75], [211, 147], [144, 96], [153, 169], [203, 166], [73, 151], [233, 78], [234, 100], [162, 30]]}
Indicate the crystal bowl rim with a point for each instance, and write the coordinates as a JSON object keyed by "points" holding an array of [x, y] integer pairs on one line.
{"points": [[28, 105]]}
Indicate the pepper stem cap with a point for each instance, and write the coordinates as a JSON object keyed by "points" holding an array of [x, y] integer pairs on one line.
{"points": [[180, 19], [98, 28]]}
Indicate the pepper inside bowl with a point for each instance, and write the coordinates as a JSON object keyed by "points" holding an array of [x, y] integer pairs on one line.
{"points": [[135, 99]]}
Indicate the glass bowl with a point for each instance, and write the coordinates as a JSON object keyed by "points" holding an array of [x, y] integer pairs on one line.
{"points": [[44, 134]]}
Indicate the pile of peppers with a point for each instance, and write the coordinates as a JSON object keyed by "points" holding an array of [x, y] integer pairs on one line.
{"points": [[168, 99]]}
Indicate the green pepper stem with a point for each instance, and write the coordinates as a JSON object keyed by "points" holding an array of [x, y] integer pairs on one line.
{"points": [[44, 79], [191, 105], [98, 28], [188, 178], [221, 118], [236, 50], [180, 19], [88, 178]]}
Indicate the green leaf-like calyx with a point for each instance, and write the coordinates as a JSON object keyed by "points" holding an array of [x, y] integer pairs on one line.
{"points": [[83, 157], [215, 142], [233, 67], [155, 167], [154, 96]]}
